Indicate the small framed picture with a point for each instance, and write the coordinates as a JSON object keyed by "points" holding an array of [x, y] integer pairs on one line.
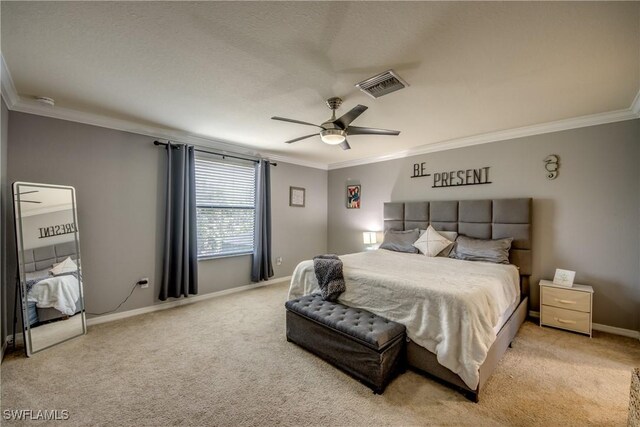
{"points": [[353, 197], [296, 197], [564, 277]]}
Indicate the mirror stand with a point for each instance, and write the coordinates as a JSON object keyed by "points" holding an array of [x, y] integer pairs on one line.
{"points": [[17, 294], [49, 282]]}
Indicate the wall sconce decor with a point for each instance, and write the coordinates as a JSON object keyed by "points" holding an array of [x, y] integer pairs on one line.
{"points": [[552, 164]]}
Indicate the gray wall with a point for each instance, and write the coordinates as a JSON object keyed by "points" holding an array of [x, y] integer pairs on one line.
{"points": [[119, 179], [298, 233], [587, 220], [4, 199]]}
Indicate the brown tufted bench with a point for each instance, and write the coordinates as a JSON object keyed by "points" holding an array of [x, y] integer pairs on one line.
{"points": [[366, 346]]}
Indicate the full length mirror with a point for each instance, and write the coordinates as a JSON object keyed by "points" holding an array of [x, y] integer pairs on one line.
{"points": [[50, 285]]}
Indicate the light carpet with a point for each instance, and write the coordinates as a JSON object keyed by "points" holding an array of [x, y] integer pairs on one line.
{"points": [[226, 361]]}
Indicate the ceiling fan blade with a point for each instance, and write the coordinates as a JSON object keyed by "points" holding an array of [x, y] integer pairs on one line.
{"points": [[301, 138], [345, 145], [29, 201], [283, 119], [355, 130], [346, 119]]}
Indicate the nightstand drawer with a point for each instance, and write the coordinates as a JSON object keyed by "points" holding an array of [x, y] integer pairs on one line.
{"points": [[565, 298], [566, 319]]}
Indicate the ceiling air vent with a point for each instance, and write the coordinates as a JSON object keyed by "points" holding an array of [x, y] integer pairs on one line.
{"points": [[382, 84]]}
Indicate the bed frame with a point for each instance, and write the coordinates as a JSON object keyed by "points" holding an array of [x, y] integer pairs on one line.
{"points": [[43, 258], [485, 219]]}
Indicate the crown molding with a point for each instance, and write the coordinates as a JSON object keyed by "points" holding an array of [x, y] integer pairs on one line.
{"points": [[46, 209], [16, 103], [62, 113], [9, 93], [31, 106], [539, 129], [299, 162], [635, 105]]}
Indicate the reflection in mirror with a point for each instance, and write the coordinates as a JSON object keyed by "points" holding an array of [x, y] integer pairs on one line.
{"points": [[49, 264]]}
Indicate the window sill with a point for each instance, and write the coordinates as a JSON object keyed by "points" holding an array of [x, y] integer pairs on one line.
{"points": [[206, 258]]}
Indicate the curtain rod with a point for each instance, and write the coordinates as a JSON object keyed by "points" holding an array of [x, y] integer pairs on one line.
{"points": [[219, 154]]}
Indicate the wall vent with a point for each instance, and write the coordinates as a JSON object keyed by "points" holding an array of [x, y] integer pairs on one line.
{"points": [[382, 84]]}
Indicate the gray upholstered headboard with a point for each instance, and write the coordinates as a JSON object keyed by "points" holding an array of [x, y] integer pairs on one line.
{"points": [[483, 219], [44, 257]]}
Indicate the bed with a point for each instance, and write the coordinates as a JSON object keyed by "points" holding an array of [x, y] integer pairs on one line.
{"points": [[37, 263], [460, 315]]}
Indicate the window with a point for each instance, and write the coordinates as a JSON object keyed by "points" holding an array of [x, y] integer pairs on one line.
{"points": [[226, 207]]}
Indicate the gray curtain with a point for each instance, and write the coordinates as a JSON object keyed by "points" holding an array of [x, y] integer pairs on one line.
{"points": [[262, 268], [180, 262]]}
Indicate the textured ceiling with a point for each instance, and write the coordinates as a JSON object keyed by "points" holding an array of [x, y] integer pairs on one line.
{"points": [[222, 69]]}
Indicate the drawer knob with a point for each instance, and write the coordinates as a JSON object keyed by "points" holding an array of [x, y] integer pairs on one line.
{"points": [[565, 301], [570, 322]]}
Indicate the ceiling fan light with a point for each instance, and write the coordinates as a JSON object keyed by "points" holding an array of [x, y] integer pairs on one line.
{"points": [[333, 136]]}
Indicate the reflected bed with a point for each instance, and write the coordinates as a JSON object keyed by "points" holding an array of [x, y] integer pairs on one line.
{"points": [[38, 262]]}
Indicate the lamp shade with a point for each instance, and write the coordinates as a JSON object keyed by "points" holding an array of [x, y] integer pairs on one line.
{"points": [[369, 237]]}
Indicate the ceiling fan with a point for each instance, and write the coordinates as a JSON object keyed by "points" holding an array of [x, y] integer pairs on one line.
{"points": [[335, 131], [29, 201]]}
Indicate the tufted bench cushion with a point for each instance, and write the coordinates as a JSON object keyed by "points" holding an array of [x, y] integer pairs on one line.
{"points": [[367, 346], [373, 331]]}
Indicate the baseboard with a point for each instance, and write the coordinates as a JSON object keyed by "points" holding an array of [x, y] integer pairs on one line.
{"points": [[183, 301], [159, 307], [9, 341], [616, 331], [602, 328]]}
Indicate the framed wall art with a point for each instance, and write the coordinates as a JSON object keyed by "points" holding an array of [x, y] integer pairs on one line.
{"points": [[353, 196], [296, 197]]}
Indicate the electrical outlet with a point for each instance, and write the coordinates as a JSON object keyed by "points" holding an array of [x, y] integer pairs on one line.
{"points": [[279, 260], [144, 282]]}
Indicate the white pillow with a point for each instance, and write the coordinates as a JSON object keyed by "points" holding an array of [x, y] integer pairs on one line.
{"points": [[452, 236], [66, 266], [431, 243]]}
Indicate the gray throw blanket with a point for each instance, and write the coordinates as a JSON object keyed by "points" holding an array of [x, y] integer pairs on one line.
{"points": [[328, 269]]}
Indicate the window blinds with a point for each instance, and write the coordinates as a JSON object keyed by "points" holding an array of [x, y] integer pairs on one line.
{"points": [[226, 207]]}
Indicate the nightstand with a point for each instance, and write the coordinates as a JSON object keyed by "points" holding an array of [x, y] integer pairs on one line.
{"points": [[566, 308]]}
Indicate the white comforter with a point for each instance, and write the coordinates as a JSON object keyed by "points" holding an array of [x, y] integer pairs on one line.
{"points": [[59, 292], [450, 307]]}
